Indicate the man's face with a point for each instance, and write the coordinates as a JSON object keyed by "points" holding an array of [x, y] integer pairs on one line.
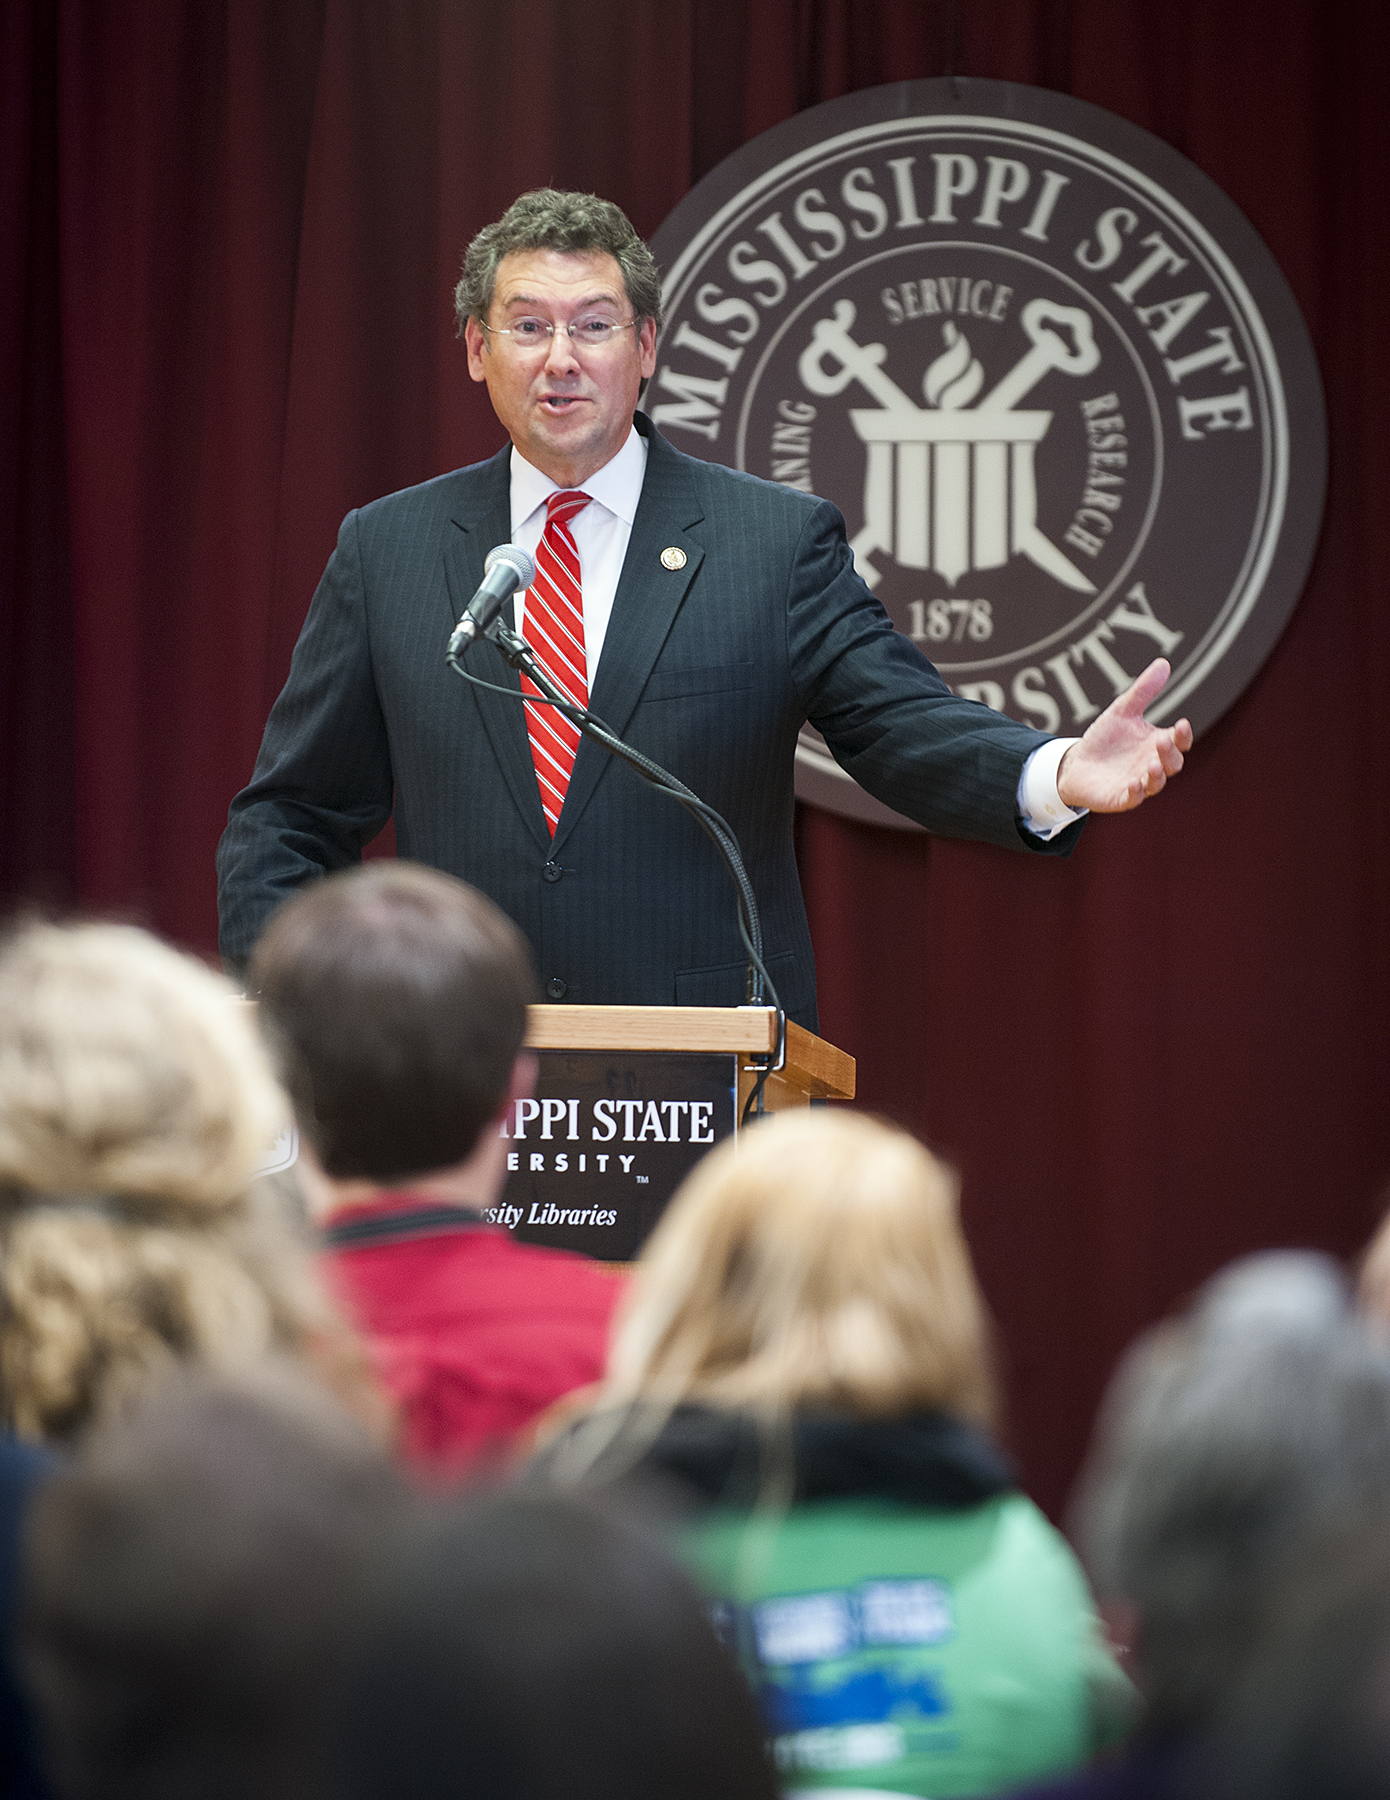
{"points": [[567, 408]]}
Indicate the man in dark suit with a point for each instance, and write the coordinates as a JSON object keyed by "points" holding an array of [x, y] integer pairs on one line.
{"points": [[702, 613]]}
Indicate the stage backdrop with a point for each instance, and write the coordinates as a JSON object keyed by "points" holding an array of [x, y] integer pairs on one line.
{"points": [[229, 238]]}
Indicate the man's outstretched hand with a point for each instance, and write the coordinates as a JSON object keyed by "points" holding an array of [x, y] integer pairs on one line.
{"points": [[1122, 759]]}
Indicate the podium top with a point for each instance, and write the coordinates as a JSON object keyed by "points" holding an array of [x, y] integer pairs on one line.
{"points": [[813, 1065]]}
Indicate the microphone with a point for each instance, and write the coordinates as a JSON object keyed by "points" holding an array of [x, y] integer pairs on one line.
{"points": [[508, 568]]}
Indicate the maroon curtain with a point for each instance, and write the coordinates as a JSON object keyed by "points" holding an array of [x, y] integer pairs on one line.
{"points": [[229, 238]]}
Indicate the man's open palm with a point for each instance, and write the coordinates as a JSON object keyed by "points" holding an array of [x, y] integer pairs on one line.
{"points": [[1122, 760]]}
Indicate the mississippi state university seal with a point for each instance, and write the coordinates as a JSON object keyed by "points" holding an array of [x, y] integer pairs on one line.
{"points": [[1050, 375]]}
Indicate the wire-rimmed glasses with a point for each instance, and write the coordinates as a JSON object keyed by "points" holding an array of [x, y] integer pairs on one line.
{"points": [[527, 335]]}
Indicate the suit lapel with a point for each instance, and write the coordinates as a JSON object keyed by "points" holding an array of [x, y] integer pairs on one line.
{"points": [[483, 518], [648, 597]]}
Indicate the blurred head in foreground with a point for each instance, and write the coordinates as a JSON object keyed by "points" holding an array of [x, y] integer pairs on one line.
{"points": [[1229, 1440], [819, 1265], [192, 1577], [135, 1106], [527, 1647]]}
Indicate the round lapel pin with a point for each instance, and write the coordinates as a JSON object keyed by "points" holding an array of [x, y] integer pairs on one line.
{"points": [[673, 557]]}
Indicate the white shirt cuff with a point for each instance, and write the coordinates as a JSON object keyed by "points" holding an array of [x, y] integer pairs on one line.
{"points": [[1040, 807]]}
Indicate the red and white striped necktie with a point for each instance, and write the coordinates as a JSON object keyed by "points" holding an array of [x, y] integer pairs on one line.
{"points": [[554, 629]]}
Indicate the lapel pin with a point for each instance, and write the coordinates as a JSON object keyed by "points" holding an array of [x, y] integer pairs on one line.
{"points": [[673, 557]]}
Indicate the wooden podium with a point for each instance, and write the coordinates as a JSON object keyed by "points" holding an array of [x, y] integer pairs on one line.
{"points": [[813, 1069], [628, 1099]]}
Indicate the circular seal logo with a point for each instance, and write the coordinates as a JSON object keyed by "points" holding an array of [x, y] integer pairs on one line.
{"points": [[1050, 375]]}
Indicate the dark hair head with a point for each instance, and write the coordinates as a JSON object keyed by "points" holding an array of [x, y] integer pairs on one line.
{"points": [[547, 219], [396, 997], [528, 1647], [189, 1581]]}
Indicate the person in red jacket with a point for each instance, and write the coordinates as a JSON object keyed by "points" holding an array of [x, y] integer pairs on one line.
{"points": [[395, 997]]}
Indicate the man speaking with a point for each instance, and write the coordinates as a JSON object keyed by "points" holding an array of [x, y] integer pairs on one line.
{"points": [[701, 613]]}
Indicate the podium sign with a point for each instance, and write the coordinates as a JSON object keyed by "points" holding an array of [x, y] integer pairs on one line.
{"points": [[627, 1101], [607, 1139]]}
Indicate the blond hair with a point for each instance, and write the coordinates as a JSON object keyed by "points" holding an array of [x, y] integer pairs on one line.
{"points": [[1373, 1280], [818, 1263], [136, 1103]]}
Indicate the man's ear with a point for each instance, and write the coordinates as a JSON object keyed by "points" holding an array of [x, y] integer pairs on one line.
{"points": [[1120, 1621], [523, 1081], [318, 1190], [474, 340]]}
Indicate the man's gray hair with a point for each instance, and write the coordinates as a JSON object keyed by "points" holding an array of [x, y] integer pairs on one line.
{"points": [[548, 219], [1228, 1441]]}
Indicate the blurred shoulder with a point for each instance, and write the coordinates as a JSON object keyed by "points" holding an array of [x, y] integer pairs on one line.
{"points": [[458, 493]]}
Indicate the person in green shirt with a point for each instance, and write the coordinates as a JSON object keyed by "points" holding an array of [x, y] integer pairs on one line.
{"points": [[803, 1361]]}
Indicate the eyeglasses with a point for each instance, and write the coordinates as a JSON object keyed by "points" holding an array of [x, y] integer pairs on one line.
{"points": [[527, 335]]}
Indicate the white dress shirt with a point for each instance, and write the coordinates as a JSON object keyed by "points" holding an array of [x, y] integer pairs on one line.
{"points": [[601, 531]]}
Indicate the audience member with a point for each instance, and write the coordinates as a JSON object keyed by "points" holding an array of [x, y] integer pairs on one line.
{"points": [[1229, 1441], [135, 1106], [528, 1648], [193, 1580], [805, 1352], [397, 999], [22, 1467]]}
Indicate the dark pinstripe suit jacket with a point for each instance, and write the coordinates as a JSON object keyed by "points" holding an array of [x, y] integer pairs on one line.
{"points": [[710, 669]]}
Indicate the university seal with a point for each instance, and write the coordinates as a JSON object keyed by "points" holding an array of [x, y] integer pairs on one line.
{"points": [[1047, 371]]}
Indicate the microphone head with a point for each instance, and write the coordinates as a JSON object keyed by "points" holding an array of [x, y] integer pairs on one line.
{"points": [[515, 557]]}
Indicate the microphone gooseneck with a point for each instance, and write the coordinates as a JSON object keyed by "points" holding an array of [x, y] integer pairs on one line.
{"points": [[518, 653]]}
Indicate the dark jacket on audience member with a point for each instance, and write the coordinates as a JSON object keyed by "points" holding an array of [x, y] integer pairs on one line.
{"points": [[22, 1467]]}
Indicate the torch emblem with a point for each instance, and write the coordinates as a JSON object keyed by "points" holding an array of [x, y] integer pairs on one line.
{"points": [[949, 487]]}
